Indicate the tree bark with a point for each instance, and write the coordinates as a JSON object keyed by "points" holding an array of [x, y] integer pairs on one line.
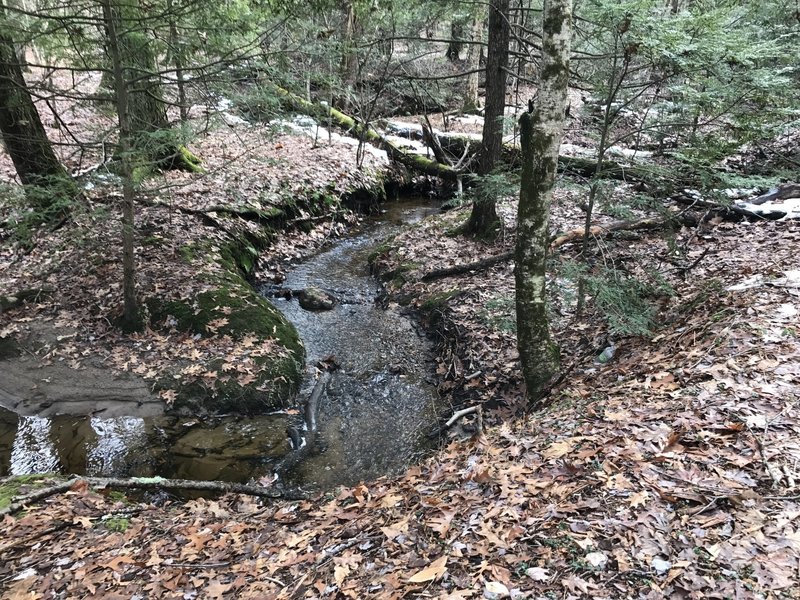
{"points": [[473, 64], [47, 184], [483, 219], [131, 319], [541, 134]]}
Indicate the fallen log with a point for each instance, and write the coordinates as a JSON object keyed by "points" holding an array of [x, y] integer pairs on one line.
{"points": [[458, 143], [365, 133], [572, 235], [149, 483], [478, 265], [781, 192], [18, 298], [601, 230]]}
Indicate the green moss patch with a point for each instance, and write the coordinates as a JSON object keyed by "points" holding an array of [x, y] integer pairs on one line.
{"points": [[16, 486], [239, 312]]}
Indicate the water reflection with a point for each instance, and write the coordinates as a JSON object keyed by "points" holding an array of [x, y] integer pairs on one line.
{"points": [[372, 417], [227, 449]]}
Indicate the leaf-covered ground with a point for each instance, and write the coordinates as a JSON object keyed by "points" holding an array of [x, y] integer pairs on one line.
{"points": [[191, 229], [669, 471]]}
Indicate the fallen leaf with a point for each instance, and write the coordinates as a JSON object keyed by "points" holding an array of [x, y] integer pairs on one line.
{"points": [[538, 574], [436, 569], [495, 589]]}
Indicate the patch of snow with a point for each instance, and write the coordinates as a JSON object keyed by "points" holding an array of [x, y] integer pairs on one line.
{"points": [[629, 153], [468, 119], [305, 125], [411, 145], [738, 193], [749, 283], [789, 208], [576, 150], [790, 280]]}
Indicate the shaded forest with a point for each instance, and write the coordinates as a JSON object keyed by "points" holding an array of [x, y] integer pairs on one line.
{"points": [[361, 299]]}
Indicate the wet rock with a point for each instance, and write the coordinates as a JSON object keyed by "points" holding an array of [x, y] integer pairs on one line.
{"points": [[313, 298]]}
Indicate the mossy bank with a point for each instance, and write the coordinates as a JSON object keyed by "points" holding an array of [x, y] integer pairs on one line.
{"points": [[269, 355]]}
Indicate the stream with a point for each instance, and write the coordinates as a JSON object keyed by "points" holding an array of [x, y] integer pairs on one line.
{"points": [[372, 417]]}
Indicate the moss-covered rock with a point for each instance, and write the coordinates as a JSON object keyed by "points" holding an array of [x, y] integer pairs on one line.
{"points": [[234, 309]]}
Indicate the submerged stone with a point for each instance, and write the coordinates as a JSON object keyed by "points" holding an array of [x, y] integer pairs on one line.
{"points": [[313, 298]]}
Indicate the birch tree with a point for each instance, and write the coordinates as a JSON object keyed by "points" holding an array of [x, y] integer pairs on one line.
{"points": [[542, 129]]}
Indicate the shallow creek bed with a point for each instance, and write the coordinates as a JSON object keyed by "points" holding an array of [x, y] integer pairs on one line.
{"points": [[373, 414]]}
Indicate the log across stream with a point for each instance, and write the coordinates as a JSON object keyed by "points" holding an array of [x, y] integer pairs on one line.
{"points": [[371, 416]]}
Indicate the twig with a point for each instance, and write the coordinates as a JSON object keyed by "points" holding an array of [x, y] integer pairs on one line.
{"points": [[774, 474], [217, 565], [457, 416]]}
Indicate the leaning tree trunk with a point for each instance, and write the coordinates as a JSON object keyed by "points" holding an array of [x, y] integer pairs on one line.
{"points": [[47, 184], [483, 219], [541, 130]]}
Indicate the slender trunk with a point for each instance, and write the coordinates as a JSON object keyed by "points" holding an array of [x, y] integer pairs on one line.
{"points": [[349, 58], [48, 186], [473, 64], [130, 315], [483, 218], [617, 79], [177, 59], [542, 131]]}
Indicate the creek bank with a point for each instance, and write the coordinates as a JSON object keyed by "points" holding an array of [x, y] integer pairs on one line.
{"points": [[212, 343], [371, 419]]}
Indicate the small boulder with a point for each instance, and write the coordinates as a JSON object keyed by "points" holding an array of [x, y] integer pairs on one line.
{"points": [[315, 299]]}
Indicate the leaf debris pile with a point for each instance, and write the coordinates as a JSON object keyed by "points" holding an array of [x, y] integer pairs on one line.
{"points": [[670, 471]]}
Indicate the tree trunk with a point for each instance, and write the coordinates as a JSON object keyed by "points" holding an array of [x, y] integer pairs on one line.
{"points": [[131, 319], [349, 67], [483, 219], [176, 53], [47, 184], [473, 64], [149, 141], [456, 43], [541, 132]]}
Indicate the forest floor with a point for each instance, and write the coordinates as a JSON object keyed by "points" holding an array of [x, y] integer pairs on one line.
{"points": [[670, 470]]}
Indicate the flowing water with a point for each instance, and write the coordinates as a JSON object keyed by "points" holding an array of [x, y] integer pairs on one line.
{"points": [[372, 415]]}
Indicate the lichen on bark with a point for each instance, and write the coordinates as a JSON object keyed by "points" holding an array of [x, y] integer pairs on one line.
{"points": [[541, 133]]}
